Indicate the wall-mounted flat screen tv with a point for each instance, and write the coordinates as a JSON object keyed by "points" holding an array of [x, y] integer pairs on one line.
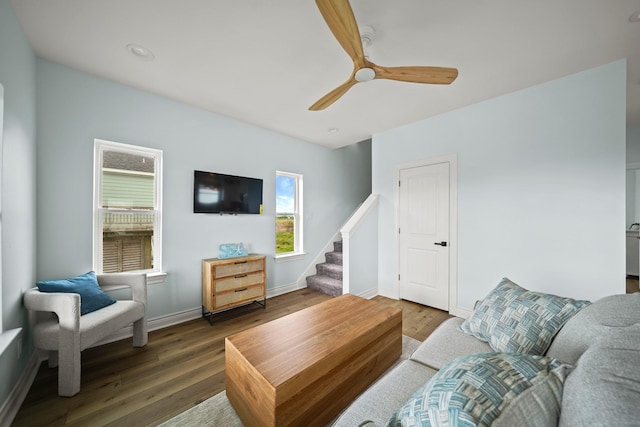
{"points": [[218, 193]]}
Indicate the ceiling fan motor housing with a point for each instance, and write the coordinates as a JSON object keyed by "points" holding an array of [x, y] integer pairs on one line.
{"points": [[365, 75]]}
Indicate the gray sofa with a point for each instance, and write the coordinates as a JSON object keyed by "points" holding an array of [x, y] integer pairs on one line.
{"points": [[601, 388]]}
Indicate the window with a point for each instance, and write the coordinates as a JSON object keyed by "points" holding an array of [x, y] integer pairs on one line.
{"points": [[127, 208], [288, 214]]}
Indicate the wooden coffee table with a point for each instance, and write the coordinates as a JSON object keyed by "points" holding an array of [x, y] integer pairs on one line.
{"points": [[304, 368]]}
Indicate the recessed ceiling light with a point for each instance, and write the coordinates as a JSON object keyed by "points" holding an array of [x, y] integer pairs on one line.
{"points": [[140, 52], [635, 16], [333, 130]]}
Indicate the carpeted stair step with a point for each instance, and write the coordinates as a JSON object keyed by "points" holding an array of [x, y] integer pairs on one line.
{"points": [[325, 285], [329, 274], [332, 270], [333, 257]]}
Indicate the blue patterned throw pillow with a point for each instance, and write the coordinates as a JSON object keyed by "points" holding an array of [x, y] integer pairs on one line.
{"points": [[513, 319], [92, 298], [488, 389]]}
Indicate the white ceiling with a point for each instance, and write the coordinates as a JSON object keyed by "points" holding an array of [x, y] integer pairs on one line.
{"points": [[265, 62]]}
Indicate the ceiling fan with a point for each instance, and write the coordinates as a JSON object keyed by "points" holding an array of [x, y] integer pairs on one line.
{"points": [[342, 23]]}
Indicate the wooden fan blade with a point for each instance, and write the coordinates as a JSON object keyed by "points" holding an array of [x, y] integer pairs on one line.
{"points": [[333, 96], [339, 17], [431, 75]]}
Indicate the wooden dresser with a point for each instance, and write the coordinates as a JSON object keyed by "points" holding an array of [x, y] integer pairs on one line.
{"points": [[233, 282]]}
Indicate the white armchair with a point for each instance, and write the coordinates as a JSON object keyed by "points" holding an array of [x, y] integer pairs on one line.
{"points": [[64, 336]]}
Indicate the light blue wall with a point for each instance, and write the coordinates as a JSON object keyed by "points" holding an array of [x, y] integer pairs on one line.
{"points": [[363, 248], [74, 108], [540, 186], [17, 76], [356, 164]]}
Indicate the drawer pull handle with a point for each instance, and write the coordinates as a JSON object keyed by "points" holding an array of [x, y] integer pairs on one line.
{"points": [[240, 262], [240, 290], [240, 277]]}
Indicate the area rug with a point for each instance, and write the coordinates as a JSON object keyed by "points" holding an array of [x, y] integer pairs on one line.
{"points": [[217, 411]]}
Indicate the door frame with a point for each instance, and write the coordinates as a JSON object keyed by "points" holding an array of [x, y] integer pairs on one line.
{"points": [[452, 159]]}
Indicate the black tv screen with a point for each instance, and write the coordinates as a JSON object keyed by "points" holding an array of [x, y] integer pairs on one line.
{"points": [[219, 193]]}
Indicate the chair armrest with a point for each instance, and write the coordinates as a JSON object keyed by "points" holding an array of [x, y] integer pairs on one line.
{"points": [[65, 305], [136, 281]]}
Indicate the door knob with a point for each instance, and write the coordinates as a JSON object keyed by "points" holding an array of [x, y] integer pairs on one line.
{"points": [[441, 243]]}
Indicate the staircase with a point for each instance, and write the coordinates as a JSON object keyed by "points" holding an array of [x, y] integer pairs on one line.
{"points": [[329, 274]]}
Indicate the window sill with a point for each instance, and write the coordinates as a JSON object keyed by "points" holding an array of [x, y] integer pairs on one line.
{"points": [[7, 337], [156, 278], [289, 257]]}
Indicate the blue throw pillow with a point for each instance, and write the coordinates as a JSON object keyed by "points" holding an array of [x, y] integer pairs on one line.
{"points": [[92, 298]]}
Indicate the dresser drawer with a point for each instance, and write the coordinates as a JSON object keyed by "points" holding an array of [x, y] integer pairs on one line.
{"points": [[237, 268], [239, 295], [236, 282]]}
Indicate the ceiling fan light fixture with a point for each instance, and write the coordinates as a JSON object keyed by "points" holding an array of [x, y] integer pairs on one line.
{"points": [[365, 75]]}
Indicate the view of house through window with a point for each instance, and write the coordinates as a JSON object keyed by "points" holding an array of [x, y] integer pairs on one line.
{"points": [[127, 208], [288, 213]]}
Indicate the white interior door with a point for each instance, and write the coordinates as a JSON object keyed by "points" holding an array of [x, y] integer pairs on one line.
{"points": [[424, 234]]}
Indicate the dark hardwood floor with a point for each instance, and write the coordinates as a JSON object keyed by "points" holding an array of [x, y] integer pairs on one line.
{"points": [[180, 367]]}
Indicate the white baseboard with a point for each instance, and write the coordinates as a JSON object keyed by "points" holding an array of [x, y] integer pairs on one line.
{"points": [[12, 405], [369, 293], [174, 319], [460, 312], [385, 293], [284, 289]]}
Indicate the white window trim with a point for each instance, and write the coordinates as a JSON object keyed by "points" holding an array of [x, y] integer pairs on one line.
{"points": [[298, 222], [7, 337], [289, 256], [155, 275]]}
